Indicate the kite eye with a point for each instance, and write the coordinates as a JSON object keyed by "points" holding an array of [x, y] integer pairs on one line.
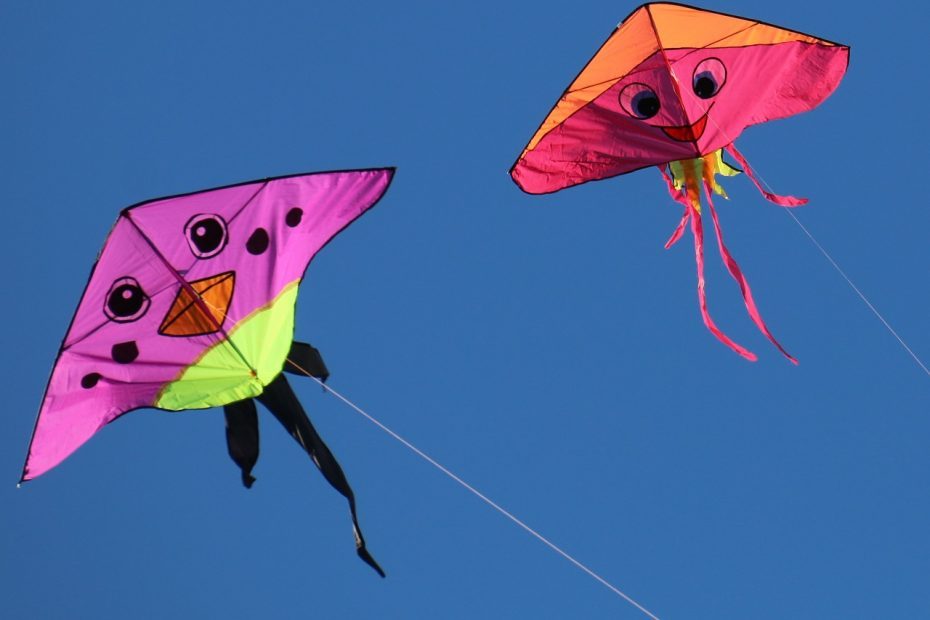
{"points": [[294, 216], [709, 77], [640, 101], [206, 234], [126, 301]]}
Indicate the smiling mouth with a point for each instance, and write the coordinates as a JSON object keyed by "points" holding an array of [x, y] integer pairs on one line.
{"points": [[687, 133]]}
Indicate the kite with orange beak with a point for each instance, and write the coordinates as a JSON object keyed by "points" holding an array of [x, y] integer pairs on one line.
{"points": [[191, 305]]}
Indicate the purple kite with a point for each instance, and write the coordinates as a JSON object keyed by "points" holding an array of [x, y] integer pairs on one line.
{"points": [[191, 305]]}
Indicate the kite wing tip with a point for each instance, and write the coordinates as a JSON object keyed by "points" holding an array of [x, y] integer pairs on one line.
{"points": [[527, 185]]}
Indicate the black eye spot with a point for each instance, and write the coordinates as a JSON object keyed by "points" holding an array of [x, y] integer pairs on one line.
{"points": [[258, 242], [705, 87], [646, 105], [126, 301], [90, 380], [206, 235], [125, 352], [293, 217], [709, 77], [639, 101]]}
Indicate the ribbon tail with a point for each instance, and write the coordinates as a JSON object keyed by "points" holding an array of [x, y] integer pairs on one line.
{"points": [[679, 231], [242, 437], [782, 201], [737, 274], [678, 196], [279, 398], [698, 232]]}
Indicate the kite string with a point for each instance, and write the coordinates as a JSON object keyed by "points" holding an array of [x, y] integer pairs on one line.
{"points": [[855, 288], [848, 280], [478, 494]]}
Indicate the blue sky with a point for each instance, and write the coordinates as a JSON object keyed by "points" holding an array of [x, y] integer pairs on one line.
{"points": [[546, 349]]}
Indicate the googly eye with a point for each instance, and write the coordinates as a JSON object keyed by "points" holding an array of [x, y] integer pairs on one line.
{"points": [[206, 235], [709, 77], [126, 301], [639, 101]]}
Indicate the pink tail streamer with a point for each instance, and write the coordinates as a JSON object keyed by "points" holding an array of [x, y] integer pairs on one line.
{"points": [[678, 197], [698, 231], [737, 274], [782, 201], [678, 231]]}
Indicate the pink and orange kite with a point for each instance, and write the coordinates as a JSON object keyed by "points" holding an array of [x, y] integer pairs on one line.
{"points": [[673, 86]]}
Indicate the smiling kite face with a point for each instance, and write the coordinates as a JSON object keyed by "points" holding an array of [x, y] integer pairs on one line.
{"points": [[191, 303], [674, 83]]}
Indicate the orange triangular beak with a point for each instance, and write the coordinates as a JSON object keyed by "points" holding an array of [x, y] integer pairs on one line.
{"points": [[203, 314]]}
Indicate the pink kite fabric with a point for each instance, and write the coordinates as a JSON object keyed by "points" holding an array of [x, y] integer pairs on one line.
{"points": [[680, 104], [176, 277], [673, 87]]}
